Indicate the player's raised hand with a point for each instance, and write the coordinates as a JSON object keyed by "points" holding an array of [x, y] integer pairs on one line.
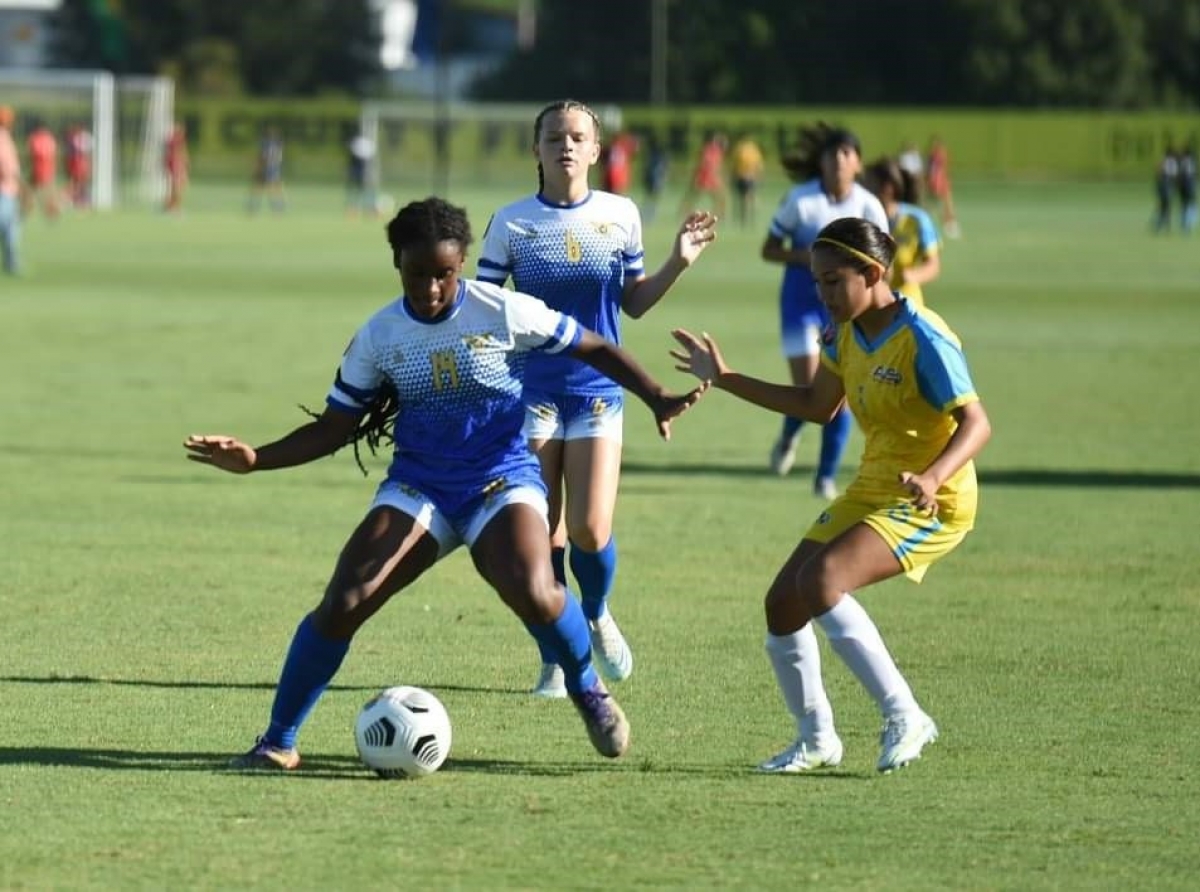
{"points": [[698, 231], [226, 453], [701, 358], [667, 406], [922, 489]]}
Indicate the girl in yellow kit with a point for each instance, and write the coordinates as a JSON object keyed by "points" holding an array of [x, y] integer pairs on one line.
{"points": [[903, 374]]}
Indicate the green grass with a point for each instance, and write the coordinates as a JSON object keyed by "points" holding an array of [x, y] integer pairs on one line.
{"points": [[147, 601]]}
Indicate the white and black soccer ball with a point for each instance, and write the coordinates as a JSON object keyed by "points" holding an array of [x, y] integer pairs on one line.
{"points": [[403, 732]]}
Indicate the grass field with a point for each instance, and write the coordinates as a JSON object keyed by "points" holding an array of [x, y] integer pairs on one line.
{"points": [[147, 601]]}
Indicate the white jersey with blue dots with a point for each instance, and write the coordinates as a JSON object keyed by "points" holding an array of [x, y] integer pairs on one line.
{"points": [[577, 258], [458, 379]]}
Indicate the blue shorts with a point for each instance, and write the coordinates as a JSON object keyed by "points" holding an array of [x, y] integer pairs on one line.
{"points": [[459, 515], [556, 416]]}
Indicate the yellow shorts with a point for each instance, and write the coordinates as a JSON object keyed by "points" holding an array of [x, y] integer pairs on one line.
{"points": [[916, 539]]}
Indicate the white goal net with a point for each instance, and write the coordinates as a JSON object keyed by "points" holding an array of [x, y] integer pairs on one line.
{"points": [[128, 118]]}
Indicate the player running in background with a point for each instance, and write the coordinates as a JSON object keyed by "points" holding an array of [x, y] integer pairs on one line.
{"points": [[708, 176], [941, 190], [746, 162], [918, 258], [42, 146], [267, 178], [79, 144], [913, 501], [176, 165], [580, 250], [438, 371], [826, 163]]}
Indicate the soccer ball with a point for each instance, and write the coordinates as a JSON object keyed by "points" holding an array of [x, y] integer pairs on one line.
{"points": [[403, 732]]}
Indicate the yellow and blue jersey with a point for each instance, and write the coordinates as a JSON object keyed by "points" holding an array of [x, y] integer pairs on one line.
{"points": [[916, 241], [902, 387]]}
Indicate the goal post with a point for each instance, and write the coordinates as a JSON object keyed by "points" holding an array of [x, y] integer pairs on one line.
{"points": [[473, 142], [128, 117]]}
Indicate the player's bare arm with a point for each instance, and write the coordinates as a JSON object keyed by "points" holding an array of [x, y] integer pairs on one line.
{"points": [[616, 363], [773, 251], [973, 431], [702, 357], [697, 232], [322, 436]]}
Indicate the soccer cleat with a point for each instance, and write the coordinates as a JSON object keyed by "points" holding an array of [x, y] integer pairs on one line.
{"points": [[802, 756], [610, 649], [783, 456], [550, 683], [825, 488], [902, 739], [605, 721], [264, 756]]}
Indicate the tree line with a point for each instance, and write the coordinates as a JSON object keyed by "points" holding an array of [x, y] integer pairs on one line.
{"points": [[1104, 54]]}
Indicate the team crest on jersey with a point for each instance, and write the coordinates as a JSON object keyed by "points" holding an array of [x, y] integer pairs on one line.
{"points": [[825, 517], [477, 343], [601, 227], [885, 375]]}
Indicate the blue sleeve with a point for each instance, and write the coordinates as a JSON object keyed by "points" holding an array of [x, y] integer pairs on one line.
{"points": [[927, 236], [941, 370]]}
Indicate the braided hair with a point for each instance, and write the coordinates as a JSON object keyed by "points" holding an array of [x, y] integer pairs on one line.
{"points": [[417, 223]]}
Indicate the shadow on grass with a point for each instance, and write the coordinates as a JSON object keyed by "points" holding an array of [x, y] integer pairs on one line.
{"points": [[1036, 477], [232, 685]]}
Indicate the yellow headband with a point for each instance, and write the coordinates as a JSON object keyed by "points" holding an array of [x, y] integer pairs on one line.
{"points": [[866, 258]]}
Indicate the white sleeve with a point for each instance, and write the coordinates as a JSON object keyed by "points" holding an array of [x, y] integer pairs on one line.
{"points": [[495, 259], [875, 213], [633, 255], [786, 219], [534, 326], [358, 376]]}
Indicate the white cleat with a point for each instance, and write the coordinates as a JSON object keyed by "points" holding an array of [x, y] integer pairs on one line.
{"points": [[783, 456], [902, 739], [802, 756], [825, 488], [610, 649], [550, 684]]}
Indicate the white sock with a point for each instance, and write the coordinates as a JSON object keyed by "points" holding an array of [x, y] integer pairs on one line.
{"points": [[855, 639], [796, 660]]}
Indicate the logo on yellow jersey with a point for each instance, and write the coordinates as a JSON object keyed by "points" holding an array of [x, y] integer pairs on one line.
{"points": [[886, 375]]}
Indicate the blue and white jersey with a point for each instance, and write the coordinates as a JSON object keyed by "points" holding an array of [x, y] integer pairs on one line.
{"points": [[458, 379], [805, 211], [577, 258]]}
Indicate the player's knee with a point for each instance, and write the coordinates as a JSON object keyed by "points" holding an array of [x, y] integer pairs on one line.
{"points": [[591, 534]]}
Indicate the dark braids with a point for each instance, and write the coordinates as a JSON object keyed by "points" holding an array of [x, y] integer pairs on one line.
{"points": [[416, 224], [562, 105]]}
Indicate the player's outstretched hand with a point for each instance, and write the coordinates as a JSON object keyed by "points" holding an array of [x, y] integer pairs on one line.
{"points": [[922, 490], [226, 453], [698, 231], [701, 358], [668, 406]]}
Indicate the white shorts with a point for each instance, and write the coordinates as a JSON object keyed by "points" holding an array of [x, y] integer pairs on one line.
{"points": [[449, 535], [802, 341], [574, 418]]}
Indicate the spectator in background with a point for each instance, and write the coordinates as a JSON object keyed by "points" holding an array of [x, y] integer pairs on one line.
{"points": [[176, 163], [746, 160], [79, 165], [937, 178], [43, 169], [708, 177], [1186, 185], [654, 175], [267, 180], [10, 194], [1164, 187], [360, 195]]}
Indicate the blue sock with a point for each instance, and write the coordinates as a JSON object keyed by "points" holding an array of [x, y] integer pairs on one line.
{"points": [[791, 428], [558, 559], [311, 663], [595, 571], [833, 443], [568, 640]]}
